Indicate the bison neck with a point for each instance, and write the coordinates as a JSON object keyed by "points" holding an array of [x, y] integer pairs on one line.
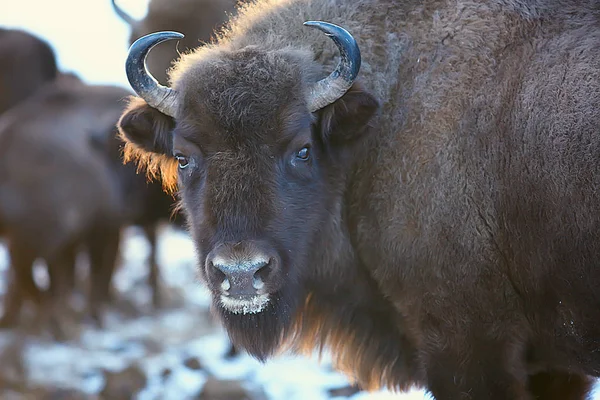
{"points": [[344, 313], [360, 332]]}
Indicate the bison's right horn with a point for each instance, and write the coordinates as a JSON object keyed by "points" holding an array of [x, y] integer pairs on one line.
{"points": [[143, 83], [129, 20], [328, 90]]}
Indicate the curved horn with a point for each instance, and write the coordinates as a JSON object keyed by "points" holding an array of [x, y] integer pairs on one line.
{"points": [[129, 20], [329, 89], [162, 98]]}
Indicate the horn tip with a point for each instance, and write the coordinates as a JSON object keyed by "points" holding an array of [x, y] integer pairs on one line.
{"points": [[176, 35], [169, 34], [317, 24], [161, 36], [328, 28]]}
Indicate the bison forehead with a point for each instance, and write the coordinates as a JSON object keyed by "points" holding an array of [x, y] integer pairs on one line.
{"points": [[247, 89]]}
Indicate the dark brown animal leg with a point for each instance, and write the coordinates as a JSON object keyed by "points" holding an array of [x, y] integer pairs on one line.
{"points": [[104, 250], [482, 374], [69, 269], [20, 285], [61, 271], [559, 386], [153, 276]]}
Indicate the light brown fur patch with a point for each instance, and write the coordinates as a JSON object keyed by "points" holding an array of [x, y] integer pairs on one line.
{"points": [[353, 349]]}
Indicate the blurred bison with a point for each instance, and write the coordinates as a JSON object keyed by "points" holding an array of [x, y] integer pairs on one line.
{"points": [[434, 222], [196, 19], [144, 203], [26, 64], [58, 194]]}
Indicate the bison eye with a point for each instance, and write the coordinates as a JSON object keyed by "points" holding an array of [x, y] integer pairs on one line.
{"points": [[303, 154], [182, 160]]}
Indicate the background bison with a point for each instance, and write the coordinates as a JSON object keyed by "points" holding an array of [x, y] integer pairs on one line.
{"points": [[26, 63], [198, 19], [63, 200], [432, 221]]}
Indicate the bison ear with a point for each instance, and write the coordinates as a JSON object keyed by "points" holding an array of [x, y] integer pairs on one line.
{"points": [[347, 120], [146, 128]]}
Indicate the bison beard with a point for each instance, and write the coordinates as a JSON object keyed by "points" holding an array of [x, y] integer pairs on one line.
{"points": [[262, 333]]}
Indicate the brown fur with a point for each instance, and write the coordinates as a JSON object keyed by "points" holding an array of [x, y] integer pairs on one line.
{"points": [[26, 64], [445, 231]]}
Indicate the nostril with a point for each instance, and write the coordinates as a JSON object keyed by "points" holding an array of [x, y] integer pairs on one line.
{"points": [[220, 276], [261, 275], [217, 273]]}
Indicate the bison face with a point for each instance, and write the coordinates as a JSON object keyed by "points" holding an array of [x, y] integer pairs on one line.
{"points": [[259, 175]]}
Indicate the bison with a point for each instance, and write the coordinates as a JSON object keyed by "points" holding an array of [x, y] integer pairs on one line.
{"points": [[62, 199], [426, 205], [26, 63]]}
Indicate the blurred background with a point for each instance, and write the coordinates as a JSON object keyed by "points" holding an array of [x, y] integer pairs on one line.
{"points": [[99, 297]]}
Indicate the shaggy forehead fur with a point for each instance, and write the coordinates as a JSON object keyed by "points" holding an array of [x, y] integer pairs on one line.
{"points": [[243, 89]]}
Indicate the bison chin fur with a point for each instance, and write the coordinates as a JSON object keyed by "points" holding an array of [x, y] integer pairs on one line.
{"points": [[262, 334]]}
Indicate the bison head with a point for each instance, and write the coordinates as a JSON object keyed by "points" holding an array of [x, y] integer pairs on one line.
{"points": [[259, 144]]}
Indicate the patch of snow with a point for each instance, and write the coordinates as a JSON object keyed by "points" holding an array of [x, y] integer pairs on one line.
{"points": [[40, 274], [183, 382], [298, 378], [413, 394]]}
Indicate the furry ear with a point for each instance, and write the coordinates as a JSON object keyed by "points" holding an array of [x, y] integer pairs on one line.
{"points": [[147, 134], [146, 127], [346, 120]]}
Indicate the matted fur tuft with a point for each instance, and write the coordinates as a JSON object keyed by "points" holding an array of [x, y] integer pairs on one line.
{"points": [[155, 165]]}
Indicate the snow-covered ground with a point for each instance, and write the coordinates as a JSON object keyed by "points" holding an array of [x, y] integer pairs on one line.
{"points": [[160, 343]]}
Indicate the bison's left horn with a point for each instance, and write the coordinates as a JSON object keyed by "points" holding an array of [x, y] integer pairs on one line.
{"points": [[162, 98], [329, 89]]}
